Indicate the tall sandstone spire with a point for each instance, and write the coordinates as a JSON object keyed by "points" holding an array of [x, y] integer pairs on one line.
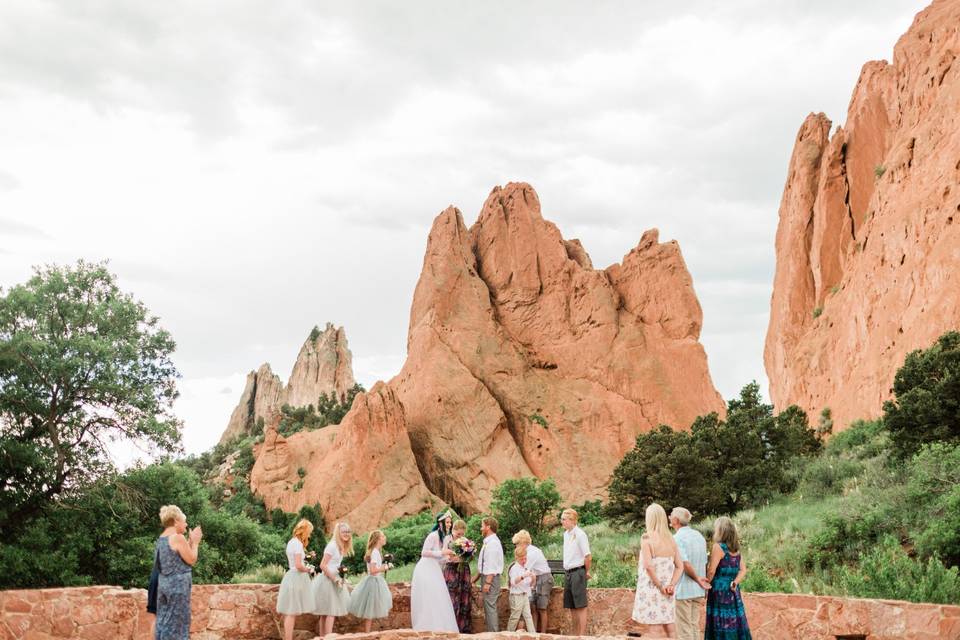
{"points": [[324, 365], [524, 360], [868, 244]]}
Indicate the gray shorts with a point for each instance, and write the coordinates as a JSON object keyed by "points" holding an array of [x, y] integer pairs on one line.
{"points": [[575, 589], [540, 596]]}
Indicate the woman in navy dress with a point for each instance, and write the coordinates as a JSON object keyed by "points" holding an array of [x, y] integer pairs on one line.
{"points": [[176, 556]]}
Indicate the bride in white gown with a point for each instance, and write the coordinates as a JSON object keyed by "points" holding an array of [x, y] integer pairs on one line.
{"points": [[430, 605]]}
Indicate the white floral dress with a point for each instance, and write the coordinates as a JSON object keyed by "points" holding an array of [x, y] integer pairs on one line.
{"points": [[649, 605]]}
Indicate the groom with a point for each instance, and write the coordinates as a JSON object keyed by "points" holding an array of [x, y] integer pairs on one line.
{"points": [[490, 566]]}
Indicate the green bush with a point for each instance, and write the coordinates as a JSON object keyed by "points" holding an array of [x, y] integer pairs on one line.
{"points": [[329, 410], [590, 512], [933, 488], [523, 503], [825, 476], [862, 439], [106, 534], [926, 407], [888, 572], [761, 579], [719, 466]]}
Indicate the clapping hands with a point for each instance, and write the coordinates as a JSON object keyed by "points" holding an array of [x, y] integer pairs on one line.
{"points": [[196, 535]]}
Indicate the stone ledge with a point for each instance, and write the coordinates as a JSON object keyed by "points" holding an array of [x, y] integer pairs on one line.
{"points": [[248, 612]]}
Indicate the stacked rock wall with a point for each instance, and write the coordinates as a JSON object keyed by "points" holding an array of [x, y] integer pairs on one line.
{"points": [[248, 612]]}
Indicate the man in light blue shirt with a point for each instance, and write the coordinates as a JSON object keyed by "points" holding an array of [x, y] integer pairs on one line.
{"points": [[693, 584]]}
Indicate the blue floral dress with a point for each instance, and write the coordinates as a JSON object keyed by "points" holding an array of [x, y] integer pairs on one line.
{"points": [[173, 594], [726, 618]]}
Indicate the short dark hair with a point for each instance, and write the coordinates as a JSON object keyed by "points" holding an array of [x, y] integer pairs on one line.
{"points": [[491, 522]]}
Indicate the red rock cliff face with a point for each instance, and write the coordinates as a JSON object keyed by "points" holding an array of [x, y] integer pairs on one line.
{"points": [[361, 470], [868, 247], [524, 360]]}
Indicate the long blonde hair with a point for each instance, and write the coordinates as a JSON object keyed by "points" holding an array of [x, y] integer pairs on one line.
{"points": [[657, 526], [375, 536], [346, 548], [724, 531], [303, 530]]}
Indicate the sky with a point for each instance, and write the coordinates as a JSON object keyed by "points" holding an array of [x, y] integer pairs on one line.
{"points": [[251, 169]]}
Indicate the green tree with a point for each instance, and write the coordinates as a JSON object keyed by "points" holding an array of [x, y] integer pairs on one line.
{"points": [[926, 407], [664, 466], [719, 466], [81, 363], [523, 503]]}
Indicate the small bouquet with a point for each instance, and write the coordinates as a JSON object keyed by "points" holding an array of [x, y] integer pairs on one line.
{"points": [[343, 571], [464, 548], [388, 560], [311, 555]]}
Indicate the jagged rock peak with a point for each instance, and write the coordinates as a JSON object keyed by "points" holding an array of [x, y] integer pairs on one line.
{"points": [[509, 321], [324, 365], [868, 234]]}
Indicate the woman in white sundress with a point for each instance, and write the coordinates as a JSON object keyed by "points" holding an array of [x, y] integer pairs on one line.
{"points": [[659, 569]]}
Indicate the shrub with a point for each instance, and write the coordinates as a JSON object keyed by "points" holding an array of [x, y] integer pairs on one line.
{"points": [[523, 503], [879, 170], [817, 312], [926, 407], [720, 466], [590, 512], [933, 487], [266, 574], [825, 476], [888, 572], [862, 439]]}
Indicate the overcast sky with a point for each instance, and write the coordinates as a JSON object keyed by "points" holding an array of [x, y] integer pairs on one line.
{"points": [[251, 169]]}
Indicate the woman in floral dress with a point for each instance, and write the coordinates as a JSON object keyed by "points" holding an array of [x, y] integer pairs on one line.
{"points": [[457, 574], [659, 569]]}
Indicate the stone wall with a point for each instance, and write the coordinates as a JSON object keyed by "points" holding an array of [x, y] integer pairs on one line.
{"points": [[247, 612]]}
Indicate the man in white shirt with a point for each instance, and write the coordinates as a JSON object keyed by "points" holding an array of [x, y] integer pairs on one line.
{"points": [[489, 567], [576, 564]]}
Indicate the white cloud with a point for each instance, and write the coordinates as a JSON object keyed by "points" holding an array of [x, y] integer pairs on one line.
{"points": [[252, 169]]}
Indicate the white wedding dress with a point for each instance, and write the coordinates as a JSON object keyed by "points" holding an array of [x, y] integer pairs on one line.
{"points": [[430, 606]]}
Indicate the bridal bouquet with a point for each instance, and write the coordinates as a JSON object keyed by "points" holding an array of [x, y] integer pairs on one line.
{"points": [[464, 547]]}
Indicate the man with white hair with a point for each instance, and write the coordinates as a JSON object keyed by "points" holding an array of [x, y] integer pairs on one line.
{"points": [[693, 584]]}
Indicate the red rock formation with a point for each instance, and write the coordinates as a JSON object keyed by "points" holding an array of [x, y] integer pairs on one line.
{"points": [[324, 365], [361, 470], [868, 248], [261, 396], [524, 360]]}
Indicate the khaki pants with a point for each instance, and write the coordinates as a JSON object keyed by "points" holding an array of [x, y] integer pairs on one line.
{"points": [[520, 605], [688, 619]]}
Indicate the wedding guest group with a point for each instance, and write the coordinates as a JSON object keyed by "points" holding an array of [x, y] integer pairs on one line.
{"points": [[675, 578]]}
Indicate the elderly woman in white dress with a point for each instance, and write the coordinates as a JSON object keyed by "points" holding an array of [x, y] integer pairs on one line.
{"points": [[430, 606]]}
